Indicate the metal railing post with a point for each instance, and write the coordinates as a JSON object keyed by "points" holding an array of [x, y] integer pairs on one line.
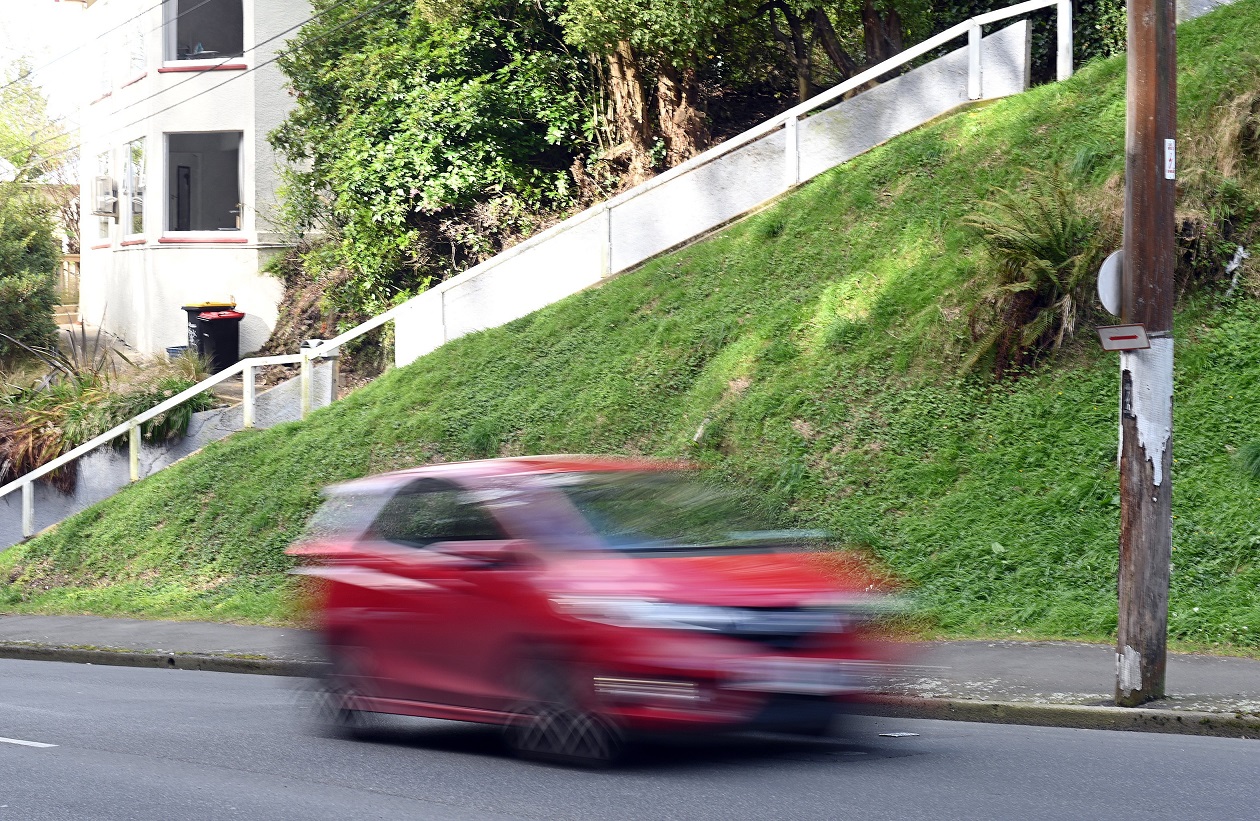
{"points": [[28, 510], [974, 87], [1064, 22], [605, 243], [133, 453], [304, 382], [247, 396], [792, 153]]}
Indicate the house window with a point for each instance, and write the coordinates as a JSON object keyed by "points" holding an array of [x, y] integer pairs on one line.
{"points": [[133, 188], [136, 52], [103, 169], [104, 77], [204, 181], [204, 29]]}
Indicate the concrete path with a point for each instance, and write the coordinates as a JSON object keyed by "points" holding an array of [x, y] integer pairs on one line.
{"points": [[1047, 683]]}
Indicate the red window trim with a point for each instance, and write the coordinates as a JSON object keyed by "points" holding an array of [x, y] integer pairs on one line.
{"points": [[221, 67], [136, 80], [127, 242], [202, 241], [102, 97], [99, 247]]}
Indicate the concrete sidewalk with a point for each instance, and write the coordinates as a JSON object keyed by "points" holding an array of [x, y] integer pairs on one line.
{"points": [[1045, 683]]}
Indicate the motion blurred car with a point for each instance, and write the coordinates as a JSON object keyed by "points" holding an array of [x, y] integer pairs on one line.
{"points": [[577, 601]]}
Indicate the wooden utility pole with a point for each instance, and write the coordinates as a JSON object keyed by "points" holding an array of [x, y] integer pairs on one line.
{"points": [[1146, 376]]}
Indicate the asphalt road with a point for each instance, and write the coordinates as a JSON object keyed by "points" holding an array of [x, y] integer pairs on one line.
{"points": [[169, 744]]}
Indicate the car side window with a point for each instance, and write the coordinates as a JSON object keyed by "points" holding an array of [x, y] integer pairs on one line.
{"points": [[429, 511]]}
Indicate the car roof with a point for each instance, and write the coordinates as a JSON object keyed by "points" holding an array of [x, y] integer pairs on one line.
{"points": [[510, 466]]}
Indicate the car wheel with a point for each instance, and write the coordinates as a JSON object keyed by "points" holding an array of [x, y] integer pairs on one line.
{"points": [[335, 699], [552, 725]]}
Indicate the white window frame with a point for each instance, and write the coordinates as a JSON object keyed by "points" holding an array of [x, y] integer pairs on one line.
{"points": [[133, 188], [137, 52], [170, 41], [169, 199], [105, 168]]}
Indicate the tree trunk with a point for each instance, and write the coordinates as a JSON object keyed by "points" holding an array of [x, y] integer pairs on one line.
{"points": [[802, 56], [630, 111], [682, 122], [882, 33], [840, 58]]}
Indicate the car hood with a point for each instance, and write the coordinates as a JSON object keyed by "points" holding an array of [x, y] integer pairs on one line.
{"points": [[751, 579]]}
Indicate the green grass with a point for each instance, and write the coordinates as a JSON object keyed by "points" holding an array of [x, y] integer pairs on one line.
{"points": [[815, 342]]}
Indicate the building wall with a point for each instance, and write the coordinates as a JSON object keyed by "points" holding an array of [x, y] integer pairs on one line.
{"points": [[133, 283]]}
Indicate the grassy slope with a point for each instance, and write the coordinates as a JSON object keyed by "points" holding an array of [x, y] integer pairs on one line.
{"points": [[809, 341]]}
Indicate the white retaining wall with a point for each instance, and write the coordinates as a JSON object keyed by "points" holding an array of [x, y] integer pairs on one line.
{"points": [[644, 222]]}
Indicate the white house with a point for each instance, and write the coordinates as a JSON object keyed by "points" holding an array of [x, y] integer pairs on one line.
{"points": [[179, 182]]}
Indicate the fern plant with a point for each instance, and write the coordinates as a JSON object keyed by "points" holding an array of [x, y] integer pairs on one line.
{"points": [[1042, 248], [1249, 459]]}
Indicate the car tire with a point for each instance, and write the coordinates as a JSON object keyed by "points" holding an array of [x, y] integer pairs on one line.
{"points": [[335, 698], [551, 724]]}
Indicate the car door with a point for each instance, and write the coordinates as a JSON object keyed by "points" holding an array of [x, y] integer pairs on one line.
{"points": [[443, 614]]}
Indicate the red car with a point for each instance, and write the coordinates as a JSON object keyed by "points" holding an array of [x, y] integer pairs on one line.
{"points": [[576, 600]]}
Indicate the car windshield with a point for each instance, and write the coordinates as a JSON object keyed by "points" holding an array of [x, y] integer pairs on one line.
{"points": [[669, 510], [343, 515]]}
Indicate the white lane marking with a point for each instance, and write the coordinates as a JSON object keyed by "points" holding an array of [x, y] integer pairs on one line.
{"points": [[25, 743]]}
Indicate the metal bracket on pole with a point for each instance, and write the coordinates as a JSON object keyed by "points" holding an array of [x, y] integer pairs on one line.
{"points": [[792, 153], [28, 510], [248, 396], [974, 85], [1064, 24], [134, 451]]}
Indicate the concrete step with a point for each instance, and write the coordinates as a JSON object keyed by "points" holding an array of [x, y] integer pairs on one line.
{"points": [[65, 314]]}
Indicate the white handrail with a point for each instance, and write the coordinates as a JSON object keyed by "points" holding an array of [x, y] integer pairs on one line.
{"points": [[140, 419], [788, 119]]}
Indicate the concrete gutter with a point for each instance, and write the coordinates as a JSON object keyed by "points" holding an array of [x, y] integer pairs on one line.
{"points": [[1079, 716], [212, 663], [1153, 719]]}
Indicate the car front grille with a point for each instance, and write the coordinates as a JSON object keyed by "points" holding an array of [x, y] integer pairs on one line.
{"points": [[783, 628]]}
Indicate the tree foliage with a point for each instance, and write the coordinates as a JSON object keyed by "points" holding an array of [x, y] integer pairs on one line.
{"points": [[29, 255], [33, 144], [430, 134], [33, 147]]}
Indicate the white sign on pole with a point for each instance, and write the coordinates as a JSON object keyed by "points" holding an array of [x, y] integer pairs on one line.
{"points": [[1124, 337], [1109, 282]]}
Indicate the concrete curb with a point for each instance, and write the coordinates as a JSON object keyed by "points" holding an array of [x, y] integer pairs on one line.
{"points": [[1079, 716], [207, 662]]}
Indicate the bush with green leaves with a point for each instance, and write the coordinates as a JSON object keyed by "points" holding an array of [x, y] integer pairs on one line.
{"points": [[84, 393], [428, 136], [1043, 248], [430, 140], [29, 256]]}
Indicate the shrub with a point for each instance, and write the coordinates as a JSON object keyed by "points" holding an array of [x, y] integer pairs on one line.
{"points": [[29, 256], [1043, 247], [83, 395]]}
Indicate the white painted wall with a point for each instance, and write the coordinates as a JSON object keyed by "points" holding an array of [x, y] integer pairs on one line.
{"points": [[137, 282], [645, 222]]}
